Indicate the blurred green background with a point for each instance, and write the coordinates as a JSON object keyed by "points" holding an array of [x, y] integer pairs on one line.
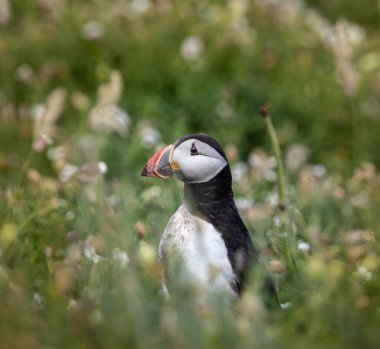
{"points": [[90, 89]]}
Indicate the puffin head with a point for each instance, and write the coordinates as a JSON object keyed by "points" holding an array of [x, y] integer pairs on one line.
{"points": [[195, 158]]}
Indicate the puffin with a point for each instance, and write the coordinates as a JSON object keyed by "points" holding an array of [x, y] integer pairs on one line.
{"points": [[206, 234]]}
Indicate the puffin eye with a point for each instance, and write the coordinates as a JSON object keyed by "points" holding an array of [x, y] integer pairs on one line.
{"points": [[193, 150]]}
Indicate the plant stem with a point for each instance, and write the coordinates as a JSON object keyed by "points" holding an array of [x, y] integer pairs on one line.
{"points": [[34, 215], [24, 168], [277, 153], [286, 243]]}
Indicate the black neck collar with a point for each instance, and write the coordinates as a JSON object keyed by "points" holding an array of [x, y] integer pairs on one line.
{"points": [[203, 199]]}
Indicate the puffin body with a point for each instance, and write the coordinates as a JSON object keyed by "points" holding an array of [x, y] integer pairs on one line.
{"points": [[206, 235], [200, 248]]}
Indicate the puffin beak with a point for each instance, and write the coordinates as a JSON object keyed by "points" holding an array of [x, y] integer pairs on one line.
{"points": [[159, 165]]}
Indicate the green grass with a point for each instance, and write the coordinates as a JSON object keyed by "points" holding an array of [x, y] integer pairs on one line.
{"points": [[78, 254]]}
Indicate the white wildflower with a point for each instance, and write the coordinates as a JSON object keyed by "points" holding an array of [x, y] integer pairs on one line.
{"points": [[103, 168], [38, 299], [122, 118], [67, 172], [192, 48], [24, 72], [61, 202], [244, 203], [89, 253], [164, 292], [140, 6], [355, 33], [272, 199], [271, 161], [92, 30], [283, 234], [70, 215], [120, 257], [256, 161], [37, 111], [151, 194], [239, 171], [277, 221], [270, 175], [72, 304], [296, 157], [318, 170], [365, 273], [113, 200], [285, 305], [57, 153], [303, 246], [150, 137], [263, 165], [92, 172], [96, 317]]}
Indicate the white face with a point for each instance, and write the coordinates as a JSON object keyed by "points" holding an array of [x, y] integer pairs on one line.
{"points": [[194, 161]]}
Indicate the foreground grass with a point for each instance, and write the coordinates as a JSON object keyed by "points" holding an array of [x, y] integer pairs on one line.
{"points": [[79, 265], [79, 228]]}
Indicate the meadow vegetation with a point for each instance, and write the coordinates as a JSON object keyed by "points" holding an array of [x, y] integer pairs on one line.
{"points": [[90, 89]]}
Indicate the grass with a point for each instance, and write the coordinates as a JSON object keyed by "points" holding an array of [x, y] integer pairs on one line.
{"points": [[89, 90]]}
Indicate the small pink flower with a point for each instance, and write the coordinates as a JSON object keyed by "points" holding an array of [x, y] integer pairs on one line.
{"points": [[48, 251], [72, 235]]}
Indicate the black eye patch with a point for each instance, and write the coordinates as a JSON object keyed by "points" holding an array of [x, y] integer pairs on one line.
{"points": [[193, 150]]}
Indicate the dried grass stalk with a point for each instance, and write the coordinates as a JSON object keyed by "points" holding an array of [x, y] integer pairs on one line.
{"points": [[106, 116], [44, 121]]}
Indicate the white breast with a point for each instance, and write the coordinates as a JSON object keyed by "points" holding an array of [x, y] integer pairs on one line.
{"points": [[201, 251]]}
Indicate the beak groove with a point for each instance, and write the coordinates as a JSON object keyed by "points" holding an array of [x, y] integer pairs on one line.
{"points": [[158, 165]]}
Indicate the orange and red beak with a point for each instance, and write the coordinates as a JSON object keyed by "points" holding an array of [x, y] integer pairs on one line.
{"points": [[159, 165]]}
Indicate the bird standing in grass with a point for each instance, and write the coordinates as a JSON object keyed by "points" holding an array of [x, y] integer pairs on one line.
{"points": [[206, 234]]}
